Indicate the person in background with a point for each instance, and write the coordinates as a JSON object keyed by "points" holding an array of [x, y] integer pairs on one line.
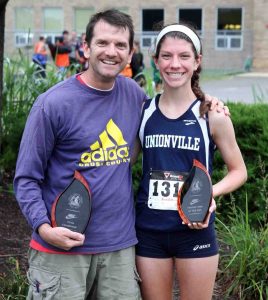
{"points": [[73, 44], [137, 66], [79, 54], [178, 127], [40, 56], [63, 49], [156, 77], [127, 71], [51, 47], [137, 60]]}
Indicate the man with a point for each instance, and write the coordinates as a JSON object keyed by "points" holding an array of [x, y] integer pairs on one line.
{"points": [[88, 124]]}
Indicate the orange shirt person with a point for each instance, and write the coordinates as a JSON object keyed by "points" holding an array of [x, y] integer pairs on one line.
{"points": [[63, 49], [40, 46], [127, 71], [40, 56]]}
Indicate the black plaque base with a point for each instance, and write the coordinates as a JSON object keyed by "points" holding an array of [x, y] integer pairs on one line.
{"points": [[195, 195], [72, 208]]}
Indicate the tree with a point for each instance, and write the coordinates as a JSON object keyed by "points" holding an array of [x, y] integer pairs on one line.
{"points": [[3, 4]]}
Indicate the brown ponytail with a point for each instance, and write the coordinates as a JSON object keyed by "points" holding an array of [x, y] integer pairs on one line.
{"points": [[205, 105]]}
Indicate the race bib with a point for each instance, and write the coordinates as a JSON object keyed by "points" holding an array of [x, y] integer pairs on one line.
{"points": [[163, 189]]}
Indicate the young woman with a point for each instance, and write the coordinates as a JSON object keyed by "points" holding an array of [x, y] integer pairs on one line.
{"points": [[178, 127]]}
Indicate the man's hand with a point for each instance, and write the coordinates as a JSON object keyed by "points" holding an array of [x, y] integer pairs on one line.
{"points": [[217, 104], [206, 222], [61, 237]]}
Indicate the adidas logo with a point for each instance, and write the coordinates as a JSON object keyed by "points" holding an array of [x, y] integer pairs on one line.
{"points": [[110, 150]]}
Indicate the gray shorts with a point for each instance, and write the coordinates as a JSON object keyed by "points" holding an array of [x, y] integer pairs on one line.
{"points": [[103, 276]]}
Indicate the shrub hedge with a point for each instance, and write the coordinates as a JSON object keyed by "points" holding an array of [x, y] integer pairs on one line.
{"points": [[251, 127], [22, 85]]}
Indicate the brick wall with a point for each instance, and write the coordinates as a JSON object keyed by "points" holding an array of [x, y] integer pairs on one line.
{"points": [[255, 25], [260, 37]]}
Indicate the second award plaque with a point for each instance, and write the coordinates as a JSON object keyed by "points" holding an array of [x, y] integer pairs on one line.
{"points": [[195, 195], [72, 208]]}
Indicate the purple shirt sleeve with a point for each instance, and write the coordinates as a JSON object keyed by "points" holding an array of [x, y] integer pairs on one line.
{"points": [[35, 149]]}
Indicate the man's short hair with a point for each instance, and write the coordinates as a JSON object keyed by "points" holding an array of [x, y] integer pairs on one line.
{"points": [[113, 17]]}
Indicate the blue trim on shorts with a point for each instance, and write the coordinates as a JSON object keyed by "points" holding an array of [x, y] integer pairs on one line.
{"points": [[188, 243]]}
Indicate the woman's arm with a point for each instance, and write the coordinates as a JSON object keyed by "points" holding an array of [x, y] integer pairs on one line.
{"points": [[223, 134]]}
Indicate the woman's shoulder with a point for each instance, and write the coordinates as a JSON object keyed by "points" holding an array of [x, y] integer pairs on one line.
{"points": [[216, 116], [218, 121], [151, 102]]}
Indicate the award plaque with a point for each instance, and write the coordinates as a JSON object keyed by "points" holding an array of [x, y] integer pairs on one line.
{"points": [[72, 208], [195, 195]]}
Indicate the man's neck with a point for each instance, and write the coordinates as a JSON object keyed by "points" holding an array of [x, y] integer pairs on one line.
{"points": [[97, 85]]}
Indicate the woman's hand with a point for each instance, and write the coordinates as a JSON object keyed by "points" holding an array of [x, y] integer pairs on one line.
{"points": [[203, 225]]}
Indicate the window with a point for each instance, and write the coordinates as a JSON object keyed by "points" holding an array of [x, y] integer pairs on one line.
{"points": [[192, 17], [52, 23], [53, 19], [23, 39], [229, 19], [81, 19], [229, 29], [24, 19], [151, 18], [23, 26]]}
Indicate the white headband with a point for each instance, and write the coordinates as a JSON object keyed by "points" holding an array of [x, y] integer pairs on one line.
{"points": [[181, 28]]}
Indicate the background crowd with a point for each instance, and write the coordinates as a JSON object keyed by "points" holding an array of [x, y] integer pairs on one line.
{"points": [[67, 51]]}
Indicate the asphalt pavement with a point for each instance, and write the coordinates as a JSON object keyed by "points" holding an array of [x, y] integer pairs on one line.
{"points": [[246, 87]]}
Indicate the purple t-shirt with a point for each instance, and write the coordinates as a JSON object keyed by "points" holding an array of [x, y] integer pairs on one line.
{"points": [[74, 127]]}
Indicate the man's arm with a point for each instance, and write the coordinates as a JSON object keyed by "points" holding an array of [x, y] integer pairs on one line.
{"points": [[35, 150]]}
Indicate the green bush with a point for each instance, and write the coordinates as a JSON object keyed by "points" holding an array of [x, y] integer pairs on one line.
{"points": [[251, 127], [244, 257], [137, 174], [22, 85]]}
